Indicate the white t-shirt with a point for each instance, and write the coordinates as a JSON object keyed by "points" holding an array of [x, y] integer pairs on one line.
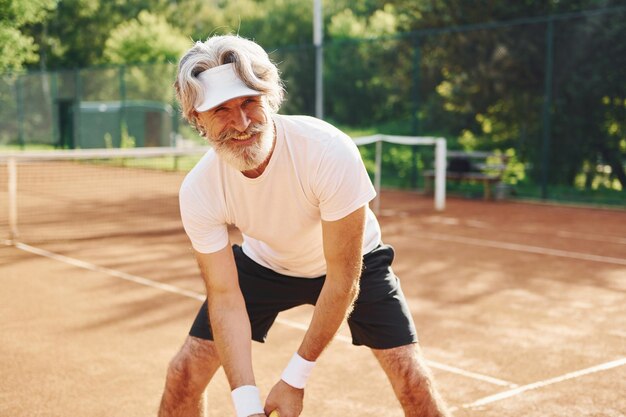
{"points": [[315, 173]]}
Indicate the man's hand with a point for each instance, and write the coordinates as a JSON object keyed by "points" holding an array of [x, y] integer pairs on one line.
{"points": [[286, 399]]}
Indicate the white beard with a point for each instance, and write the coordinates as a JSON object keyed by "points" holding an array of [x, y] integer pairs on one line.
{"points": [[246, 158]]}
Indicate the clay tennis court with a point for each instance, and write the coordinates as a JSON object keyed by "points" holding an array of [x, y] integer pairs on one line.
{"points": [[521, 308]]}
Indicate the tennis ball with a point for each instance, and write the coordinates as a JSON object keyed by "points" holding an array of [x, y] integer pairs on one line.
{"points": [[274, 414]]}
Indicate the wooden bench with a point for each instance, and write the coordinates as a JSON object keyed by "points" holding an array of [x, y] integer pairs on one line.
{"points": [[482, 167]]}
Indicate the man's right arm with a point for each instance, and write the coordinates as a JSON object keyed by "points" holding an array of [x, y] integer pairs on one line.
{"points": [[228, 315]]}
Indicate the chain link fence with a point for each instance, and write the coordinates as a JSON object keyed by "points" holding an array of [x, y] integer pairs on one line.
{"points": [[548, 94], [89, 108]]}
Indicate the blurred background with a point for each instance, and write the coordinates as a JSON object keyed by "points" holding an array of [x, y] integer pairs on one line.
{"points": [[538, 85]]}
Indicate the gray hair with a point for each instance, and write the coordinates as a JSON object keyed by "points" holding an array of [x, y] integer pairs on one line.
{"points": [[251, 63]]}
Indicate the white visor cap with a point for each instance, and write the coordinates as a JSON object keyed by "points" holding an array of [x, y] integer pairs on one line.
{"points": [[220, 84]]}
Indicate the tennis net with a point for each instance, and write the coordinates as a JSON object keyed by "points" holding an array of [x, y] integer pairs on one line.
{"points": [[92, 194]]}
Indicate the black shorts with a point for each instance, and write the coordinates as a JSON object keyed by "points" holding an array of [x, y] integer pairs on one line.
{"points": [[380, 319]]}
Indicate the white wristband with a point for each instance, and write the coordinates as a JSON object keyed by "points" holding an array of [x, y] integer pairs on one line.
{"points": [[297, 371], [247, 401]]}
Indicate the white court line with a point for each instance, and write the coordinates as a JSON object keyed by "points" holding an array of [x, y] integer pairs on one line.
{"points": [[592, 237], [478, 224], [522, 248], [432, 364], [519, 390], [200, 297], [469, 374], [118, 274]]}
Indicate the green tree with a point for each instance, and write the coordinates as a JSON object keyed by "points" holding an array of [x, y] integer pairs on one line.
{"points": [[590, 101], [147, 39], [370, 77], [490, 83], [16, 47], [271, 23], [75, 33]]}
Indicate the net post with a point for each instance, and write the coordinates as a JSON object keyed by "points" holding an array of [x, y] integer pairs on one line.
{"points": [[378, 174], [12, 171], [440, 174]]}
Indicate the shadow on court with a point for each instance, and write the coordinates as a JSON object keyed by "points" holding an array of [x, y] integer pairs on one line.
{"points": [[520, 310]]}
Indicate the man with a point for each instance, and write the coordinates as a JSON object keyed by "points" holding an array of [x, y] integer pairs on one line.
{"points": [[298, 191]]}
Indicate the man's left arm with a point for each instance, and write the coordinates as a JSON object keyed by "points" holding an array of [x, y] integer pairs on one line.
{"points": [[343, 242]]}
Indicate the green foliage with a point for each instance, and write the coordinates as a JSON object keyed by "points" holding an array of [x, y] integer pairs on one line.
{"points": [[16, 47], [75, 33], [18, 13], [148, 39], [514, 171], [369, 76], [127, 141], [272, 23], [347, 25], [396, 163], [150, 82], [386, 70], [490, 86]]}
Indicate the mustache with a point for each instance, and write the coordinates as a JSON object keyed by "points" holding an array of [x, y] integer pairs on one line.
{"points": [[253, 129]]}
